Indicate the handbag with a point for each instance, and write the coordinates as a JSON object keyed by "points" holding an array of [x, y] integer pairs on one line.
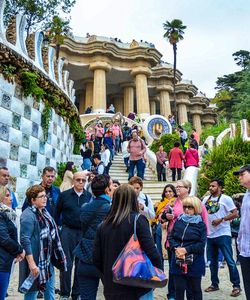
{"points": [[134, 268], [188, 260]]}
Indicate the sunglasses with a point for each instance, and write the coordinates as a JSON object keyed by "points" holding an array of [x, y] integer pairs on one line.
{"points": [[80, 180], [188, 207]]}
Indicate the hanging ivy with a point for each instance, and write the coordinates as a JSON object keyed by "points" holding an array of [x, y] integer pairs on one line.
{"points": [[45, 119], [29, 81]]}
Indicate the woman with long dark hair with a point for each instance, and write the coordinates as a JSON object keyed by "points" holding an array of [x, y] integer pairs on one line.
{"points": [[167, 198], [67, 177], [113, 235]]}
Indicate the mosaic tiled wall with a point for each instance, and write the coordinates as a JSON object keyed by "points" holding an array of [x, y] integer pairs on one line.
{"points": [[22, 147]]}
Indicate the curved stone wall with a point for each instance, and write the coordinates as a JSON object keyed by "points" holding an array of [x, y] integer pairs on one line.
{"points": [[22, 147]]}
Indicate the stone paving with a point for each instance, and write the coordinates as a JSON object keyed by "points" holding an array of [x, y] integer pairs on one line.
{"points": [[159, 294]]}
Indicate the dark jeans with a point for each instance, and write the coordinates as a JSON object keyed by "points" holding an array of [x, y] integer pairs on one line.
{"points": [[126, 161], [174, 174], [171, 288], [158, 237], [69, 239], [161, 172], [224, 243], [245, 267], [4, 282], [139, 167], [182, 283], [88, 278]]}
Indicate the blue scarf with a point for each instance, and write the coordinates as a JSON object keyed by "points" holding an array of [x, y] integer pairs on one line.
{"points": [[191, 219]]}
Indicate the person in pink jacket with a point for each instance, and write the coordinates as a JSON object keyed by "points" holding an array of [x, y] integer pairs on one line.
{"points": [[191, 156], [175, 161]]}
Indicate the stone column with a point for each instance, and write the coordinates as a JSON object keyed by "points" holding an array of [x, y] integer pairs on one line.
{"points": [[182, 102], [152, 107], [142, 99], [165, 88], [99, 90], [89, 93], [128, 98], [81, 103], [197, 122], [118, 103]]}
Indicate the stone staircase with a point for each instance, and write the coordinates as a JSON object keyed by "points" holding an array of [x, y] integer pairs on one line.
{"points": [[151, 185]]}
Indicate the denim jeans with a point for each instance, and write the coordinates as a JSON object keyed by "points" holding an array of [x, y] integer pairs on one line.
{"points": [[139, 167], [158, 237], [4, 282], [49, 293], [148, 296], [245, 266], [88, 277], [117, 144], [224, 243]]}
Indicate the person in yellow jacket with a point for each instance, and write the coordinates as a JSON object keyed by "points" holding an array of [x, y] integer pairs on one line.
{"points": [[159, 228]]}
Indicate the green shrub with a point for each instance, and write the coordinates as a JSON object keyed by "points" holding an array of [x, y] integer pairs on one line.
{"points": [[232, 185], [188, 128], [221, 162], [167, 140], [214, 130]]}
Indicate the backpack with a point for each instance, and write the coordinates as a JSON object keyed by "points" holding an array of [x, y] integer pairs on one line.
{"points": [[146, 200]]}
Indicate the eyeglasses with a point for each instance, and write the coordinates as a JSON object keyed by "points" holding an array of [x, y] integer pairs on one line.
{"points": [[181, 186], [80, 180], [188, 207], [42, 196]]}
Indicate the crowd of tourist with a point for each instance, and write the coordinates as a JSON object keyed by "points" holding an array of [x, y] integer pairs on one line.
{"points": [[83, 226]]}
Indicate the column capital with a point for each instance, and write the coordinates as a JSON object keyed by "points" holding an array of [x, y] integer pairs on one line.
{"points": [[195, 112], [141, 70], [127, 84], [101, 65], [164, 87]]}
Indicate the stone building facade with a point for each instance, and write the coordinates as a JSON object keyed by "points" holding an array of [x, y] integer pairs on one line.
{"points": [[133, 78]]}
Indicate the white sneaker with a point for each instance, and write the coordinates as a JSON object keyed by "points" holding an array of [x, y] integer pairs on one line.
{"points": [[220, 265], [208, 263]]}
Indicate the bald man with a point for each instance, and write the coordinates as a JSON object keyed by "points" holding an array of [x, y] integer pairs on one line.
{"points": [[68, 212]]}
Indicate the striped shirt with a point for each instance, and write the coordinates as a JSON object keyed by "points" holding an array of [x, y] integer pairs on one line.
{"points": [[244, 232]]}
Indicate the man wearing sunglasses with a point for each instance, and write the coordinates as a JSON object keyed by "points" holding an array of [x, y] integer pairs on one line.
{"points": [[68, 212], [244, 232]]}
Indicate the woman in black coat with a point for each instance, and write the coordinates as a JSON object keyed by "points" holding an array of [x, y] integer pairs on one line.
{"points": [[113, 234], [187, 242], [10, 249]]}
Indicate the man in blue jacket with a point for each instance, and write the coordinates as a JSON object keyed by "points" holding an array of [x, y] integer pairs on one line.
{"points": [[52, 192]]}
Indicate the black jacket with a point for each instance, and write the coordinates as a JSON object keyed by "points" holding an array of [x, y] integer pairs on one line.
{"points": [[9, 246], [92, 214], [68, 208], [109, 242], [193, 238]]}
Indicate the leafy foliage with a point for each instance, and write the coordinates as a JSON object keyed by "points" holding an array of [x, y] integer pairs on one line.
{"points": [[77, 131], [39, 13], [45, 119], [233, 97], [30, 85], [8, 72], [221, 162], [214, 130], [167, 141]]}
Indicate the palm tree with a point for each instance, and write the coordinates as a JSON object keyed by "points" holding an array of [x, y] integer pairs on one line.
{"points": [[174, 33]]}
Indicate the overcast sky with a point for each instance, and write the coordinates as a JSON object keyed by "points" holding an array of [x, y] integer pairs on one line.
{"points": [[215, 30]]}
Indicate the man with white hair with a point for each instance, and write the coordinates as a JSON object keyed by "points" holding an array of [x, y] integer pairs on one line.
{"points": [[68, 213]]}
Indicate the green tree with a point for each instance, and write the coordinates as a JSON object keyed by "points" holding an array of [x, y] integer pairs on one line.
{"points": [[174, 33], [233, 95], [39, 13]]}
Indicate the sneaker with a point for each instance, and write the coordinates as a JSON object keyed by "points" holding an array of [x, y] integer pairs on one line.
{"points": [[208, 263], [40, 295], [220, 265]]}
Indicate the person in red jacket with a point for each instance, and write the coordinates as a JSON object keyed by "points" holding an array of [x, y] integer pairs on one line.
{"points": [[191, 156], [175, 161]]}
